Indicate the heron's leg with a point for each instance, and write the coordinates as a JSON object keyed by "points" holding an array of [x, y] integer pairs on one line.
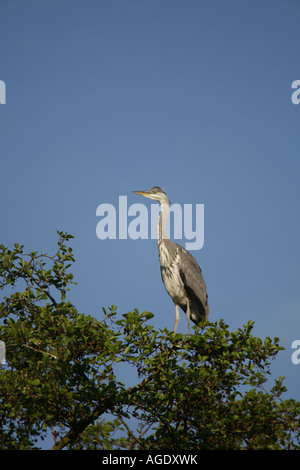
{"points": [[188, 315], [177, 317]]}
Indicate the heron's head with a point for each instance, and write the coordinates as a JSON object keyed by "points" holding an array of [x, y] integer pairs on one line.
{"points": [[155, 193]]}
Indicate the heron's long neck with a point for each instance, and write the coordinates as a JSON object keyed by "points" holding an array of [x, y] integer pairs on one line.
{"points": [[162, 232]]}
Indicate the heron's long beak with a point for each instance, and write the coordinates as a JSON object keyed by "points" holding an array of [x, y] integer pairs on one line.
{"points": [[143, 193]]}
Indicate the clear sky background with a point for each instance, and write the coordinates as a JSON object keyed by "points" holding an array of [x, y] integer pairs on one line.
{"points": [[106, 97]]}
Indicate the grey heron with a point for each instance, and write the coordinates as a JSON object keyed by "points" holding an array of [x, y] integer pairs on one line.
{"points": [[181, 274]]}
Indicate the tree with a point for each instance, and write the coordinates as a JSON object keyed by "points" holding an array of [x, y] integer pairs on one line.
{"points": [[204, 391]]}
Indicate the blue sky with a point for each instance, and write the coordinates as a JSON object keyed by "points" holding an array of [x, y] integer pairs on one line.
{"points": [[106, 97]]}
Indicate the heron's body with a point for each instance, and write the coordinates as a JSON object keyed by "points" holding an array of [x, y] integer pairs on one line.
{"points": [[181, 274]]}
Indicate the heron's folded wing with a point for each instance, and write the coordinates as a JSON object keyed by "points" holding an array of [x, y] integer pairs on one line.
{"points": [[191, 275]]}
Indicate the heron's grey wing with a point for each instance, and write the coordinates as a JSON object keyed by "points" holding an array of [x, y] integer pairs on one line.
{"points": [[191, 276]]}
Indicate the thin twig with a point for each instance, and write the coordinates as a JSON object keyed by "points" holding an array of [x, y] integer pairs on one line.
{"points": [[128, 429], [40, 351]]}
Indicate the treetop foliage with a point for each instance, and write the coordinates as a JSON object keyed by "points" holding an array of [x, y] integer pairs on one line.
{"points": [[62, 373]]}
